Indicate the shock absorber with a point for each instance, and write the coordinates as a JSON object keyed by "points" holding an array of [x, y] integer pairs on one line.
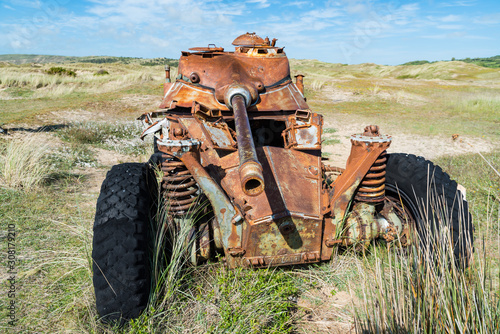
{"points": [[372, 187], [180, 187]]}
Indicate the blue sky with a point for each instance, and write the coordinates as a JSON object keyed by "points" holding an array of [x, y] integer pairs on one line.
{"points": [[343, 31]]}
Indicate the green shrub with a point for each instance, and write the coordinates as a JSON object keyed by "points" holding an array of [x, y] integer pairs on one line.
{"points": [[68, 157], [417, 62], [407, 76], [101, 72], [61, 71]]}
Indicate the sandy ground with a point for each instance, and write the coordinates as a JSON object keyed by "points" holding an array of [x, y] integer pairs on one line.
{"points": [[430, 147], [326, 311]]}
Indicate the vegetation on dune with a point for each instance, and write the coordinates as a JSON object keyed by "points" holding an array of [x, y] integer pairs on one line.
{"points": [[61, 71], [101, 72], [51, 93], [44, 59], [22, 163], [160, 61], [221, 300], [492, 62], [119, 136], [48, 191], [417, 62]]}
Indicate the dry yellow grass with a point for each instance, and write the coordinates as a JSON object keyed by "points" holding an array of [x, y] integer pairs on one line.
{"points": [[22, 163], [33, 82]]}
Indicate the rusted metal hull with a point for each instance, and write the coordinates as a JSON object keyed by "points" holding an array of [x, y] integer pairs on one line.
{"points": [[279, 223], [239, 131]]}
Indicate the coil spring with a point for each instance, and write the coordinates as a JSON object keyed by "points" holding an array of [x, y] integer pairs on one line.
{"points": [[372, 187], [179, 185]]}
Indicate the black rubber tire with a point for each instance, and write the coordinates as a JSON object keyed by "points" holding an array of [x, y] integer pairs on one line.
{"points": [[410, 177], [121, 244]]}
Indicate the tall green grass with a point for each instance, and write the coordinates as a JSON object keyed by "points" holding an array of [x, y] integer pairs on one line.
{"points": [[477, 106], [210, 298], [22, 162], [426, 290]]}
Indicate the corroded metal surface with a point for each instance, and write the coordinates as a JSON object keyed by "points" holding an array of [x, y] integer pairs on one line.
{"points": [[237, 130], [249, 39], [372, 187], [262, 69], [303, 131], [279, 222], [180, 188], [250, 170], [365, 151]]}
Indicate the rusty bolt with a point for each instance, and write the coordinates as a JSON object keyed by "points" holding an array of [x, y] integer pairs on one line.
{"points": [[194, 77], [178, 132], [259, 86], [371, 131], [287, 228], [313, 170], [331, 242], [236, 251]]}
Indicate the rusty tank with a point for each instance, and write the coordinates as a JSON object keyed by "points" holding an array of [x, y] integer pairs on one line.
{"points": [[235, 129]]}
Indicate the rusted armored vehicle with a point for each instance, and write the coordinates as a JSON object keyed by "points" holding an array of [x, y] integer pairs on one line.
{"points": [[235, 130]]}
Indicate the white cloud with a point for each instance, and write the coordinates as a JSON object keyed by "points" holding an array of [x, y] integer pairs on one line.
{"points": [[299, 4], [459, 3], [409, 8], [25, 3], [324, 13], [457, 34], [142, 24], [490, 19], [307, 28], [161, 43], [450, 26], [260, 3], [451, 18], [357, 8]]}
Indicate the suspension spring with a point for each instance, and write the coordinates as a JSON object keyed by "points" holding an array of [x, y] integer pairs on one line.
{"points": [[372, 187], [180, 187]]}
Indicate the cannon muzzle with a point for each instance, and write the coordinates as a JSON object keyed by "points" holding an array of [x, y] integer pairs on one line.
{"points": [[252, 180]]}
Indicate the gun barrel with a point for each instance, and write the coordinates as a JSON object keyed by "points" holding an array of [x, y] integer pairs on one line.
{"points": [[251, 177]]}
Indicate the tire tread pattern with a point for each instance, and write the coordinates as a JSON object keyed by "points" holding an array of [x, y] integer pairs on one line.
{"points": [[120, 253], [414, 175]]}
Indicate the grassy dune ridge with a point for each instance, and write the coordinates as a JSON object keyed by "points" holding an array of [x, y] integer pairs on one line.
{"points": [[65, 133]]}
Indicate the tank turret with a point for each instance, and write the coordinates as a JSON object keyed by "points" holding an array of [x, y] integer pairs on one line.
{"points": [[209, 74]]}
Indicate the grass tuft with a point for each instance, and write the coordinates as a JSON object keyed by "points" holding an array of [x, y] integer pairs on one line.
{"points": [[22, 163], [61, 71], [426, 291], [119, 136]]}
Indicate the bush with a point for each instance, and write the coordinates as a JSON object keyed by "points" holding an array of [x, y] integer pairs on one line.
{"points": [[417, 62], [61, 71], [101, 72]]}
